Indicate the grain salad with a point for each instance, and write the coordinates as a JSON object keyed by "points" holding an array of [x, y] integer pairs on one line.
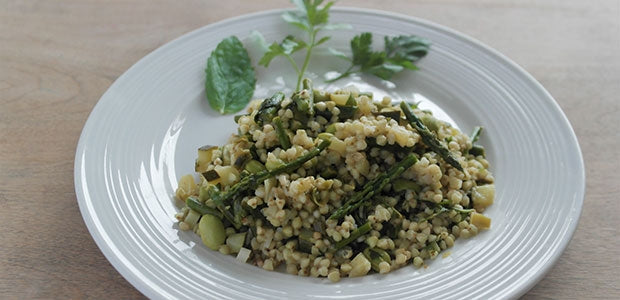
{"points": [[337, 184]]}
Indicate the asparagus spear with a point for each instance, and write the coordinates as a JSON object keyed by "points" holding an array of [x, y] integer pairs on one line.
{"points": [[445, 206], [269, 108], [196, 205], [253, 180], [285, 142], [354, 235], [429, 138], [304, 99], [374, 187], [475, 134], [476, 149]]}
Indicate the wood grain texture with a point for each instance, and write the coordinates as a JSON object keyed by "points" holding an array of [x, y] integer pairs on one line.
{"points": [[58, 57]]}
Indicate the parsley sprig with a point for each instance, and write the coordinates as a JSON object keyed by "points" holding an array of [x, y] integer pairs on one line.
{"points": [[401, 52], [310, 17]]}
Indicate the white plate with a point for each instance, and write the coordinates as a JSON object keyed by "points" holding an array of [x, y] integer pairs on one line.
{"points": [[143, 133]]}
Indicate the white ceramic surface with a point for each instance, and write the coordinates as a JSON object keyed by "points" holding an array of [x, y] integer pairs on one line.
{"points": [[142, 135]]}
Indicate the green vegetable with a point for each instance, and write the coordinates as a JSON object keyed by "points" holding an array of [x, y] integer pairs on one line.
{"points": [[212, 231], [329, 172], [374, 187], [230, 77], [354, 235], [239, 212], [431, 123], [444, 206], [192, 217], [211, 175], [376, 256], [285, 142], [269, 108], [392, 114], [196, 205], [311, 18], [305, 240], [254, 166], [476, 149], [304, 101], [331, 128], [475, 135], [251, 181], [401, 52], [236, 241], [404, 184], [429, 138]]}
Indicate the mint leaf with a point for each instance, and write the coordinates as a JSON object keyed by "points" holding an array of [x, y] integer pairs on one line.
{"points": [[230, 77]]}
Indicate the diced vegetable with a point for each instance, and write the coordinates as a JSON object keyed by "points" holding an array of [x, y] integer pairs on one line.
{"points": [[235, 241], [254, 166], [273, 163], [331, 128], [483, 196], [228, 174], [205, 156], [481, 221], [340, 97], [346, 112], [320, 95], [305, 240], [187, 187], [401, 184], [430, 122], [212, 231], [211, 176], [338, 146], [243, 255], [241, 157], [329, 172], [325, 136], [360, 266], [192, 217]]}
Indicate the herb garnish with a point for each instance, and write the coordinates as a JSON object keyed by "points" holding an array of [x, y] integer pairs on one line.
{"points": [[400, 53], [311, 19], [230, 77]]}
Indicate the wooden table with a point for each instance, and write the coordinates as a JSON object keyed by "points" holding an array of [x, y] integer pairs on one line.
{"points": [[58, 57]]}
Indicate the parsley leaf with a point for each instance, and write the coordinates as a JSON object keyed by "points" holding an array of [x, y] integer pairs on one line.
{"points": [[311, 17], [406, 48], [400, 53], [287, 47]]}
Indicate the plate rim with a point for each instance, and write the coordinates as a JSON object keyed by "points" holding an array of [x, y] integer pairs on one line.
{"points": [[142, 284]]}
